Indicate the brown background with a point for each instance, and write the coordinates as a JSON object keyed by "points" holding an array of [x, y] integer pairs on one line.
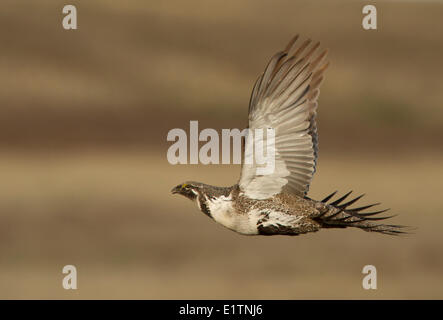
{"points": [[84, 177]]}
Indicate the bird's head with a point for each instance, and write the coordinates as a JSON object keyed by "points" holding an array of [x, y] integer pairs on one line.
{"points": [[189, 189]]}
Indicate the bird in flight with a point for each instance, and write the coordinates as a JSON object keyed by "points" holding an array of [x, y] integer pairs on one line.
{"points": [[284, 98]]}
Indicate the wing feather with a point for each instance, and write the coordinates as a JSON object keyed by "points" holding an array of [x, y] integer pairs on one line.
{"points": [[284, 98]]}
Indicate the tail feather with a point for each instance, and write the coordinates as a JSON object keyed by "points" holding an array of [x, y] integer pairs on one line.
{"points": [[338, 215]]}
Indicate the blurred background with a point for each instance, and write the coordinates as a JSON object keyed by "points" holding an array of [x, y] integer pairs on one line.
{"points": [[84, 178]]}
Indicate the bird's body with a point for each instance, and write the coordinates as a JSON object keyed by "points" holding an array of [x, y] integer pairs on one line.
{"points": [[284, 98], [282, 214]]}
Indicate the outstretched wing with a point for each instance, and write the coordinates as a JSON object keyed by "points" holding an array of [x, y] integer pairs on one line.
{"points": [[284, 98]]}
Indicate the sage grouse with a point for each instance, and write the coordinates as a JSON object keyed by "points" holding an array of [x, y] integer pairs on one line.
{"points": [[284, 98]]}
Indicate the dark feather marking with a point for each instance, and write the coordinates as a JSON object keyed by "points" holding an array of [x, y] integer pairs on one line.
{"points": [[364, 207], [379, 218], [329, 197], [204, 207], [371, 213], [336, 202], [276, 229], [347, 204]]}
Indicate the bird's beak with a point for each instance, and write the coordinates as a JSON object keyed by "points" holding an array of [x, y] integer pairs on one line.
{"points": [[176, 189]]}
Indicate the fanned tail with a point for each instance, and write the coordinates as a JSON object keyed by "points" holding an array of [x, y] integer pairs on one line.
{"points": [[338, 215]]}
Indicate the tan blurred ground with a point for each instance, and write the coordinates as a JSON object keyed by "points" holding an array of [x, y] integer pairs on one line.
{"points": [[84, 177]]}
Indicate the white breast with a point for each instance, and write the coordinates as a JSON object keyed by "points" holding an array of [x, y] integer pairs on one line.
{"points": [[224, 213]]}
